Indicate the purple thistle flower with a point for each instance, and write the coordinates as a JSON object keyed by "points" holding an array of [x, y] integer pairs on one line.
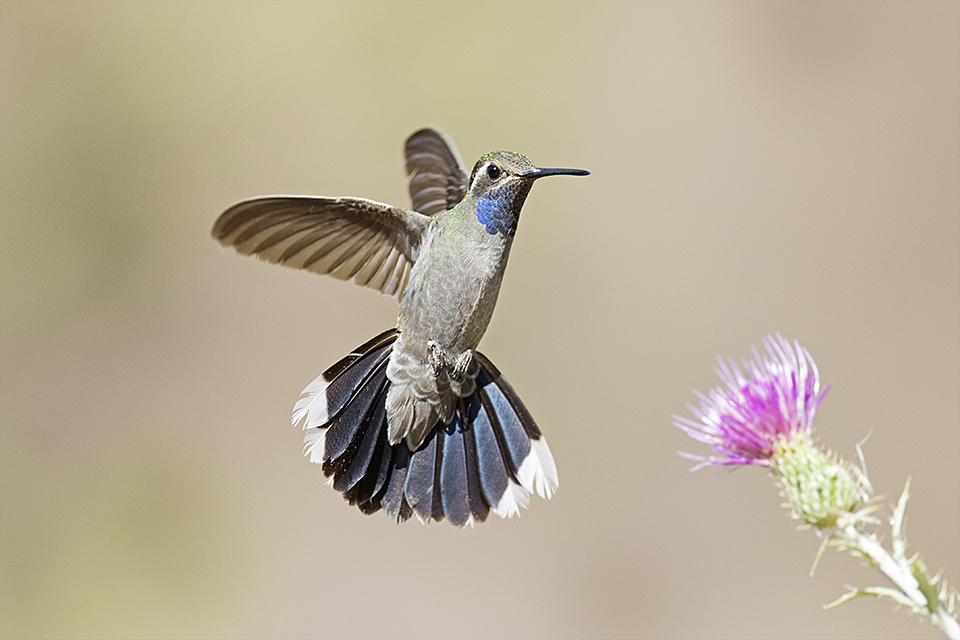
{"points": [[765, 418], [744, 422]]}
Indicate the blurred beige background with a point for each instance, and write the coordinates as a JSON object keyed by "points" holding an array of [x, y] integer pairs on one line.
{"points": [[757, 167]]}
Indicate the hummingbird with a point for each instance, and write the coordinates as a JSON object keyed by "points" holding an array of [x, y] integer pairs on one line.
{"points": [[415, 421]]}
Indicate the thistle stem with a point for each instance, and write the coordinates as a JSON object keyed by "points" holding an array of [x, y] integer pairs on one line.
{"points": [[900, 574]]}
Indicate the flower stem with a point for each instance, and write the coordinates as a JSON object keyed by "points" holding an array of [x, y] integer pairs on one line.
{"points": [[901, 575]]}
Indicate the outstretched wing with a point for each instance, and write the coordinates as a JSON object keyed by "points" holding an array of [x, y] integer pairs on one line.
{"points": [[438, 180], [349, 238]]}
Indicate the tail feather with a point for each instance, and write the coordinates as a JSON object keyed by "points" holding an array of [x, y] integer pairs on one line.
{"points": [[422, 477], [479, 507], [355, 416], [535, 470], [326, 396], [367, 491], [504, 387], [355, 466], [489, 457], [393, 502], [454, 492], [379, 340], [492, 472], [511, 436]]}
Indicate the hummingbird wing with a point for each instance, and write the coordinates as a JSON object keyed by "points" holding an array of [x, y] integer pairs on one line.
{"points": [[372, 243], [438, 180]]}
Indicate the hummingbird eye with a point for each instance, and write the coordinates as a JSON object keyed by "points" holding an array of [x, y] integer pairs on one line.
{"points": [[493, 172]]}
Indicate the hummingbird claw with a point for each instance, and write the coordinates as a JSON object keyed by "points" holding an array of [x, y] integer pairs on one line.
{"points": [[462, 365], [437, 358]]}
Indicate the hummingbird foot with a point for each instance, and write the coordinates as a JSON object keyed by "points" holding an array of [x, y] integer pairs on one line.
{"points": [[440, 362], [462, 365], [437, 358]]}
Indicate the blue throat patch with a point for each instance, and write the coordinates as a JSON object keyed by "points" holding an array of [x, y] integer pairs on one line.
{"points": [[495, 212]]}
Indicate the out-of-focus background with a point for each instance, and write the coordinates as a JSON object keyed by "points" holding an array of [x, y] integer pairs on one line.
{"points": [[757, 167]]}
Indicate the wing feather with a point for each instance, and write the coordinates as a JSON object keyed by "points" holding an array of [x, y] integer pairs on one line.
{"points": [[438, 180], [372, 243]]}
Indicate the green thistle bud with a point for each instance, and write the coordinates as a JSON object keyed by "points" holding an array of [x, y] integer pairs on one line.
{"points": [[819, 487]]}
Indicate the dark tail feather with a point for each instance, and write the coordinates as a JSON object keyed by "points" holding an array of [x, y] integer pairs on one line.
{"points": [[489, 457], [326, 396]]}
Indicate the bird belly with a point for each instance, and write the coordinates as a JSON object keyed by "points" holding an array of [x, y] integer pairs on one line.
{"points": [[450, 304], [450, 301]]}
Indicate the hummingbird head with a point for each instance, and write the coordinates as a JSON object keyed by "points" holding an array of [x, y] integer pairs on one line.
{"points": [[500, 182]]}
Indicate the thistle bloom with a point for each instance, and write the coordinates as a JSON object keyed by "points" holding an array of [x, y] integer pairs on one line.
{"points": [[745, 422], [764, 416]]}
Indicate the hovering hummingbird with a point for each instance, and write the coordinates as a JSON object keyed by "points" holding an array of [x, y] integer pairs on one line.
{"points": [[415, 421]]}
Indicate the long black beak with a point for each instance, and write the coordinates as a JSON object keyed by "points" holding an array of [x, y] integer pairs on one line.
{"points": [[541, 172]]}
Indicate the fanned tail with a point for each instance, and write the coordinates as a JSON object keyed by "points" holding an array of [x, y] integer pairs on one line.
{"points": [[490, 457]]}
